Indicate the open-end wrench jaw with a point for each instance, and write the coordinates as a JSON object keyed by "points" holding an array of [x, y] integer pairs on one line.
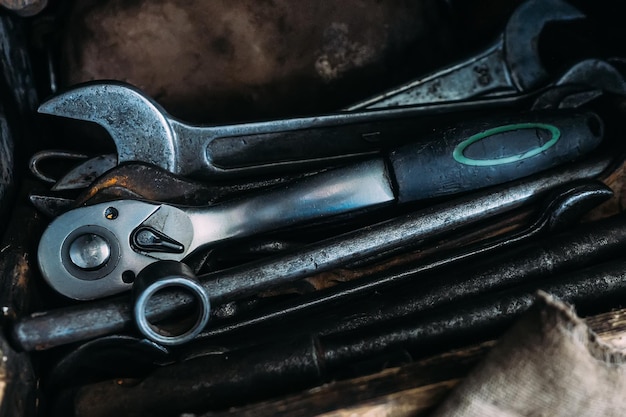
{"points": [[139, 127], [521, 39], [144, 132], [510, 66]]}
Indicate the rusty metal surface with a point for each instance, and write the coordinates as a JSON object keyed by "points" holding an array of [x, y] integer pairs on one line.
{"points": [[152, 183]]}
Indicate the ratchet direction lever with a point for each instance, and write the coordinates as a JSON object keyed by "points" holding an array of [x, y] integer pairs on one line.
{"points": [[94, 251]]}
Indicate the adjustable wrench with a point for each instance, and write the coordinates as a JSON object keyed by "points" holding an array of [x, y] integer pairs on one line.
{"points": [[142, 131], [509, 66], [97, 250]]}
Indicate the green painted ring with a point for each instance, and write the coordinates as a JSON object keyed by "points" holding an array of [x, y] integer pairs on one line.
{"points": [[459, 150]]}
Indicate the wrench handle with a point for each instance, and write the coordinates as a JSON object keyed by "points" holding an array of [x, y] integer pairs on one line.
{"points": [[360, 186], [319, 144], [483, 153]]}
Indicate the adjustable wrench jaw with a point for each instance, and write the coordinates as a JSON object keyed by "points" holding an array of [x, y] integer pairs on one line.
{"points": [[144, 132], [139, 127], [115, 241]]}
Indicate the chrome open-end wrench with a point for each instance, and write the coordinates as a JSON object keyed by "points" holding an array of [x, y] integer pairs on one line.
{"points": [[509, 66], [95, 251]]}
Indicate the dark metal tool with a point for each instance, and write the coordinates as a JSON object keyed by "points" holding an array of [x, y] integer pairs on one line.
{"points": [[582, 83], [286, 365], [561, 210], [421, 293], [37, 160], [96, 251], [162, 276], [509, 66], [104, 180], [399, 125], [107, 357], [564, 206], [149, 182], [72, 324], [143, 131]]}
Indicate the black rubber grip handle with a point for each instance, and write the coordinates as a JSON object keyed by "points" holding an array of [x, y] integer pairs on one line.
{"points": [[479, 154]]}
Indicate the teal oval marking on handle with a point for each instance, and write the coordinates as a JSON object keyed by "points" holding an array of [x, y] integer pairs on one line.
{"points": [[460, 157]]}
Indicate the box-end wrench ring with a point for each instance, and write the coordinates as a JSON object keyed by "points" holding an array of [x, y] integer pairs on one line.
{"points": [[161, 276]]}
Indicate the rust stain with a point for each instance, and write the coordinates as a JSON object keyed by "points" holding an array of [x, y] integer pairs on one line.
{"points": [[116, 181], [20, 271]]}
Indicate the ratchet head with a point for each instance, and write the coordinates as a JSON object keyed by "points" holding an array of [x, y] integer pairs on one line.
{"points": [[94, 251], [139, 127], [521, 38]]}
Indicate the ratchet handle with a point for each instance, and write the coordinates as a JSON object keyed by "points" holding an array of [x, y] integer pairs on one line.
{"points": [[483, 153]]}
